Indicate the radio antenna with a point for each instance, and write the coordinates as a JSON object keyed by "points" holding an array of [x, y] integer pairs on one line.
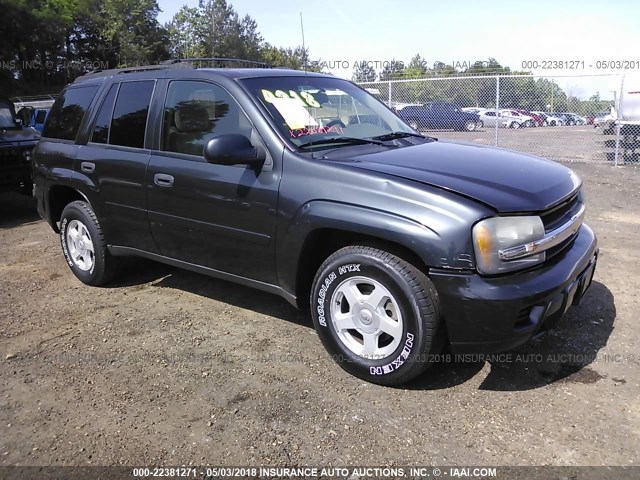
{"points": [[304, 48]]}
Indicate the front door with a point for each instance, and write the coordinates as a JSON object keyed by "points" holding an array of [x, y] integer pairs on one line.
{"points": [[216, 216]]}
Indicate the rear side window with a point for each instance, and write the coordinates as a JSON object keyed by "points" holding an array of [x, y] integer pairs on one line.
{"points": [[67, 113], [129, 121], [103, 121]]}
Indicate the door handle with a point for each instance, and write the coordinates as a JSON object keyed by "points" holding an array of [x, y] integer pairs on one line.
{"points": [[163, 180], [88, 167]]}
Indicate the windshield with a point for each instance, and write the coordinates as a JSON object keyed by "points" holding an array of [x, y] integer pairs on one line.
{"points": [[309, 110], [6, 117]]}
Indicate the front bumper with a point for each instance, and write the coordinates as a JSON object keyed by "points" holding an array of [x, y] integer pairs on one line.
{"points": [[492, 314]]}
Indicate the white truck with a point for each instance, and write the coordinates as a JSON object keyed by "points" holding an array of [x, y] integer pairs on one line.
{"points": [[626, 109], [623, 120]]}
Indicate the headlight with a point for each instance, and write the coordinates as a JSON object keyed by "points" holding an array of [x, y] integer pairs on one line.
{"points": [[497, 233]]}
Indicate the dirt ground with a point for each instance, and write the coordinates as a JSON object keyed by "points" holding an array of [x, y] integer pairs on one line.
{"points": [[168, 367]]}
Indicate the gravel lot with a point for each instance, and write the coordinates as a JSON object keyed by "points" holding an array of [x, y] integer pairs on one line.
{"points": [[572, 144], [171, 367]]}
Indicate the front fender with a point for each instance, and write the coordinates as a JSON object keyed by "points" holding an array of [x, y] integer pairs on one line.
{"points": [[321, 214]]}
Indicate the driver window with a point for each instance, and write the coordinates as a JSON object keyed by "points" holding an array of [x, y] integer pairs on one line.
{"points": [[195, 112]]}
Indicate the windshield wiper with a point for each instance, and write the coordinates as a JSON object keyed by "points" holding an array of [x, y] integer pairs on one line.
{"points": [[344, 140], [394, 135]]}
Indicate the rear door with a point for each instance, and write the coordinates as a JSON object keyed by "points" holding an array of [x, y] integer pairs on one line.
{"points": [[114, 162]]}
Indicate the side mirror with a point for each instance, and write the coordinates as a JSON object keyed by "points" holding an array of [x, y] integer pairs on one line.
{"points": [[232, 149], [24, 116]]}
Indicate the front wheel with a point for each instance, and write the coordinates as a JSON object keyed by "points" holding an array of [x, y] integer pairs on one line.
{"points": [[84, 246], [376, 314], [514, 125]]}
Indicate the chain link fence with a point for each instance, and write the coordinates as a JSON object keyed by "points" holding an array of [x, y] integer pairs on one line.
{"points": [[561, 118]]}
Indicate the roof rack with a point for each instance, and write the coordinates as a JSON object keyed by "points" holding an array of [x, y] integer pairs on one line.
{"points": [[35, 101], [218, 62]]}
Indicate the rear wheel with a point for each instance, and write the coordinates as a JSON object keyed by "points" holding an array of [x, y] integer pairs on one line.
{"points": [[376, 314], [84, 246], [470, 125]]}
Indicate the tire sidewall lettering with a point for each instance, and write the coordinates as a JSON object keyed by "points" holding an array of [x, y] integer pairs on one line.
{"points": [[326, 283], [394, 365], [63, 241]]}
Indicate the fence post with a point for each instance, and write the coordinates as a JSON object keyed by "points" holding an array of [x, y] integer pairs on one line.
{"points": [[497, 106], [617, 151], [617, 107], [389, 93]]}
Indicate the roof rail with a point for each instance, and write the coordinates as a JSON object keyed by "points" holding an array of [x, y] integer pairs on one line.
{"points": [[120, 71], [220, 61]]}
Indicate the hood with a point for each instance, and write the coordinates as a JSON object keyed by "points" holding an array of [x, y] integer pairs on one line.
{"points": [[18, 135], [506, 180]]}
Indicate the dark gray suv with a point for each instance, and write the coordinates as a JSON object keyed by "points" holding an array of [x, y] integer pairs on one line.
{"points": [[306, 186]]}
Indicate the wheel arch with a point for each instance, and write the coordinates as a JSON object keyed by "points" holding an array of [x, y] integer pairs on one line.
{"points": [[58, 197], [322, 228]]}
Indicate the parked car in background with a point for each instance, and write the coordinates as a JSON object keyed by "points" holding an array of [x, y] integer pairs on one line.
{"points": [[592, 117], [36, 116], [439, 115], [599, 118], [538, 121], [571, 119], [491, 117], [16, 144], [525, 120], [580, 120], [554, 119]]}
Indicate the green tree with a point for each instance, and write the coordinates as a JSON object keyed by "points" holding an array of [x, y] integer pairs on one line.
{"points": [[183, 34], [294, 58], [417, 68], [363, 72], [392, 70], [132, 27]]}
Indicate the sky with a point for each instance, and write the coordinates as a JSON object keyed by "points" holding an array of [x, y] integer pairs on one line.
{"points": [[342, 32]]}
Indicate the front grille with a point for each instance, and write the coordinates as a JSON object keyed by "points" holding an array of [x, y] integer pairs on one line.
{"points": [[560, 214], [10, 156], [557, 216], [13, 157]]}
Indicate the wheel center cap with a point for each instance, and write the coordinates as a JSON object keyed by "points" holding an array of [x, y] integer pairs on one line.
{"points": [[366, 316], [81, 245]]}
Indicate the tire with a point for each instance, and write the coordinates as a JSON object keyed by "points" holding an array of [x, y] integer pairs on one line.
{"points": [[84, 246], [391, 339], [480, 124], [470, 126], [514, 125]]}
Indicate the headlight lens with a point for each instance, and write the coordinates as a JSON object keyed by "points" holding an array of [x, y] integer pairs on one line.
{"points": [[494, 234]]}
